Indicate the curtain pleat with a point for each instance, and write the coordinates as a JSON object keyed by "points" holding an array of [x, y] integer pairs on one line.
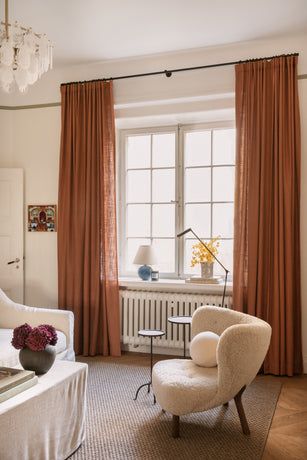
{"points": [[87, 247], [266, 280]]}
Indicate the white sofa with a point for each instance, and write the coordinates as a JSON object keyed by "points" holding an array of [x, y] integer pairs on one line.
{"points": [[13, 314]]}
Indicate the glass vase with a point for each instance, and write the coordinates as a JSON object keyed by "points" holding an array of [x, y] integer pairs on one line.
{"points": [[206, 270]]}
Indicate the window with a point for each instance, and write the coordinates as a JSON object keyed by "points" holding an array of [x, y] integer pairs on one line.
{"points": [[172, 179], [208, 184]]}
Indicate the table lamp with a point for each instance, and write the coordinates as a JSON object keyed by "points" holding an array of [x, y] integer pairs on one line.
{"points": [[145, 257]]}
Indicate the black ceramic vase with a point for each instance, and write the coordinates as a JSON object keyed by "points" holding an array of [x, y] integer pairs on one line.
{"points": [[38, 361]]}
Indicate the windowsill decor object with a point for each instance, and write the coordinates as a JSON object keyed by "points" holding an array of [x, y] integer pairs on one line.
{"points": [[211, 249], [201, 256], [24, 55], [154, 275], [205, 259], [145, 257], [36, 345]]}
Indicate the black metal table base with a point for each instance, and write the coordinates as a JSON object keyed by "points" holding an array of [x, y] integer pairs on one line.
{"points": [[148, 384], [148, 391]]}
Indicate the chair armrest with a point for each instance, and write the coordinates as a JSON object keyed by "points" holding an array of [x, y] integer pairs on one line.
{"points": [[13, 314], [240, 353]]}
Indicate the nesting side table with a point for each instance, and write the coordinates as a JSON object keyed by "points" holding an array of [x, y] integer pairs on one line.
{"points": [[151, 333], [184, 320]]}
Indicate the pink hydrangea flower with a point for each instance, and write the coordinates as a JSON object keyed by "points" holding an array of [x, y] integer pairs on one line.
{"points": [[50, 332], [37, 339], [20, 335]]}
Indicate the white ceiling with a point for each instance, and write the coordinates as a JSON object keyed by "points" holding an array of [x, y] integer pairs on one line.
{"points": [[94, 30]]}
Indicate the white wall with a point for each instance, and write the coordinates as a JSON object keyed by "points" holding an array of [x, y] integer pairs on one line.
{"points": [[185, 84], [30, 137], [6, 136]]}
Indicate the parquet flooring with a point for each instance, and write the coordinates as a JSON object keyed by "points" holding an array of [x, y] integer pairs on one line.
{"points": [[287, 438]]}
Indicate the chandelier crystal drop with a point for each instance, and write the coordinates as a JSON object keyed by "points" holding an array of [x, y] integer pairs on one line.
{"points": [[24, 55]]}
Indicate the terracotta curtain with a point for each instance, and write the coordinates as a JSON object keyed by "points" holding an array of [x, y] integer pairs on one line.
{"points": [[267, 206], [87, 252]]}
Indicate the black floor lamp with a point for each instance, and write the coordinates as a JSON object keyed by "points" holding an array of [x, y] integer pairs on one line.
{"points": [[188, 230]]}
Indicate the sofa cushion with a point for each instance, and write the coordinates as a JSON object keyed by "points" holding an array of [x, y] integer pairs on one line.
{"points": [[9, 354], [182, 387]]}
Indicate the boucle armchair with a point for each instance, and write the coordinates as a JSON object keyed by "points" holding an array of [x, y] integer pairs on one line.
{"points": [[181, 387]]}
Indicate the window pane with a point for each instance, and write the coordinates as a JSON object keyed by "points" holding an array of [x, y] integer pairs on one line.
{"points": [[198, 216], [138, 151], [223, 183], [138, 186], [197, 148], [132, 247], [197, 184], [165, 251], [163, 220], [223, 220], [223, 146], [163, 150], [187, 258], [225, 255], [138, 220], [163, 185]]}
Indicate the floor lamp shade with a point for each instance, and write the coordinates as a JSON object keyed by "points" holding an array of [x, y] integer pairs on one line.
{"points": [[145, 257]]}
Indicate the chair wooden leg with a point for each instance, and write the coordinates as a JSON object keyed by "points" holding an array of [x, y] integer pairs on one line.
{"points": [[239, 406], [176, 424]]}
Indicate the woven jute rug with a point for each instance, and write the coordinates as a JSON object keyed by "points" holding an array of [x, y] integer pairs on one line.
{"points": [[118, 427]]}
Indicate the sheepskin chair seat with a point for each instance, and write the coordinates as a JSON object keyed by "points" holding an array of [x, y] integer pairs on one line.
{"points": [[181, 387]]}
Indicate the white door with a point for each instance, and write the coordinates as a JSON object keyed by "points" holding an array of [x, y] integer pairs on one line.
{"points": [[11, 233]]}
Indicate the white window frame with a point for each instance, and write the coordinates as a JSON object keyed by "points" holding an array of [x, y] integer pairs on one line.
{"points": [[184, 129], [180, 131], [123, 134]]}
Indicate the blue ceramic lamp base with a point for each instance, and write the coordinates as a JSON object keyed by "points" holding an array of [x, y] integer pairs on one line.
{"points": [[144, 272]]}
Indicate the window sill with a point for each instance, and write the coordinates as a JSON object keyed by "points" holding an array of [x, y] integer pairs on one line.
{"points": [[171, 285]]}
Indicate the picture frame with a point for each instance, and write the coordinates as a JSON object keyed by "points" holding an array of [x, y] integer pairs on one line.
{"points": [[42, 218]]}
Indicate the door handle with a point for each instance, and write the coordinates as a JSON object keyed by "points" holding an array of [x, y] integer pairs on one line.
{"points": [[14, 261]]}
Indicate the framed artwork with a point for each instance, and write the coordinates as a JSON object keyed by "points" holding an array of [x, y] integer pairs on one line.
{"points": [[41, 218]]}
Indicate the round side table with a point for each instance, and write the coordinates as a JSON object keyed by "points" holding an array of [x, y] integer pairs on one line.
{"points": [[151, 333], [182, 320]]}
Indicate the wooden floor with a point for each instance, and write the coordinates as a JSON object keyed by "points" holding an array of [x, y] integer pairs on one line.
{"points": [[287, 439]]}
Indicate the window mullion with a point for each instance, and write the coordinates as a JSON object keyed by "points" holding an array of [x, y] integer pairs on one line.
{"points": [[211, 191], [151, 187], [180, 175]]}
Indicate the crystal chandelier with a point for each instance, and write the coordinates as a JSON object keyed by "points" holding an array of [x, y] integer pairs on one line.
{"points": [[24, 55]]}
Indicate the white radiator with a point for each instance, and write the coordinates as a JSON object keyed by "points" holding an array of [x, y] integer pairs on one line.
{"points": [[150, 310]]}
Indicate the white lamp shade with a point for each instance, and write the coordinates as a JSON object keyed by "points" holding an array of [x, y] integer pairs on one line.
{"points": [[145, 256]]}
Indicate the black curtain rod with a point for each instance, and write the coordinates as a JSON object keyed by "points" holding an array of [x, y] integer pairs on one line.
{"points": [[168, 73]]}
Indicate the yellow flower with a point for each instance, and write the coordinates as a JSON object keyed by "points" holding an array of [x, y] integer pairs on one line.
{"points": [[200, 253]]}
